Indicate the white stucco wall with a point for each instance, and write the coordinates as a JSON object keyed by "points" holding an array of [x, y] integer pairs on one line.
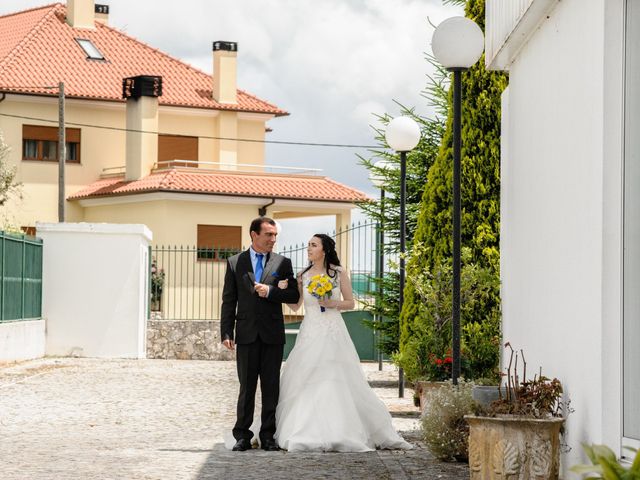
{"points": [[22, 340], [95, 289], [561, 211]]}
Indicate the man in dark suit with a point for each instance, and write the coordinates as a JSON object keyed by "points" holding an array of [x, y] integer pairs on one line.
{"points": [[252, 303]]}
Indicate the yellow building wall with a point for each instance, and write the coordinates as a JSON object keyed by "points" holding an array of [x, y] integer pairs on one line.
{"points": [[99, 148], [103, 148], [176, 222], [251, 152]]}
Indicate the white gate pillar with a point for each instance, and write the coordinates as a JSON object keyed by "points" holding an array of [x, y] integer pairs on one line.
{"points": [[95, 289]]}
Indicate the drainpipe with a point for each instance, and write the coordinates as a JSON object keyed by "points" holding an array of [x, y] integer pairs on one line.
{"points": [[262, 211]]}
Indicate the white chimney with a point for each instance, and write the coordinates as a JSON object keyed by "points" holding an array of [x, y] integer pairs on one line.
{"points": [[225, 88], [102, 13], [80, 13], [142, 94]]}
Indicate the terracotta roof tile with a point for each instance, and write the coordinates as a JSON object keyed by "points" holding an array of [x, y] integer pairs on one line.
{"points": [[38, 48], [226, 183]]}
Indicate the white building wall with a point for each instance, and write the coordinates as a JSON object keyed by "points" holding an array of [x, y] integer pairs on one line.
{"points": [[22, 340], [95, 289], [561, 213]]}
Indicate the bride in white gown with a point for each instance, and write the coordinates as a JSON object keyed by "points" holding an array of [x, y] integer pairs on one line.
{"points": [[325, 401]]}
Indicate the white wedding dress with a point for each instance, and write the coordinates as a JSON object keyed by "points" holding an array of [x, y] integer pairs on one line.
{"points": [[325, 401]]}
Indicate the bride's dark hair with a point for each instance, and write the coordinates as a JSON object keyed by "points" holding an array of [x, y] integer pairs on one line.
{"points": [[331, 259]]}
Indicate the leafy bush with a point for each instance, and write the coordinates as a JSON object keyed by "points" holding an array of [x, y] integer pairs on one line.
{"points": [[481, 350], [445, 430], [606, 465], [430, 339]]}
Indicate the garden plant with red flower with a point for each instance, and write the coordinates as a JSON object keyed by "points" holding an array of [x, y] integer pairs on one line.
{"points": [[439, 367]]}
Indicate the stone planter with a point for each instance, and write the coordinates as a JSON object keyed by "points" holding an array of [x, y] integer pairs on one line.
{"points": [[514, 447], [155, 305], [422, 388]]}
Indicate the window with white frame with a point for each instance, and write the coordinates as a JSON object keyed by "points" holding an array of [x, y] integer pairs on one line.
{"points": [[631, 239]]}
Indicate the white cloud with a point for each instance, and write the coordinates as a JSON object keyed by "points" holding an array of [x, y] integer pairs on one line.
{"points": [[366, 112]]}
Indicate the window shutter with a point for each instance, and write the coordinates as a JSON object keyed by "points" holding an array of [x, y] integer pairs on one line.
{"points": [[38, 132], [219, 236], [173, 147]]}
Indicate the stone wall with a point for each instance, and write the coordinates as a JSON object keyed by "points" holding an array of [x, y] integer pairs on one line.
{"points": [[186, 340]]}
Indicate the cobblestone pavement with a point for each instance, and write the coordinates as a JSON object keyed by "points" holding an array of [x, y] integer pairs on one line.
{"points": [[85, 419]]}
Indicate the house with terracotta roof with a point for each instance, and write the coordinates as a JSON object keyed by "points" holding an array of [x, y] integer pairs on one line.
{"points": [[149, 139]]}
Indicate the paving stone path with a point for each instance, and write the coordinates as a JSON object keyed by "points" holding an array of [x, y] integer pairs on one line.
{"points": [[85, 419]]}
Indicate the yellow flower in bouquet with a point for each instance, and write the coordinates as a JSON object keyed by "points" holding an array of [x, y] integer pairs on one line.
{"points": [[320, 286]]}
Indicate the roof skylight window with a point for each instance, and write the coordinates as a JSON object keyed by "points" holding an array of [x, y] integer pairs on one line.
{"points": [[90, 49]]}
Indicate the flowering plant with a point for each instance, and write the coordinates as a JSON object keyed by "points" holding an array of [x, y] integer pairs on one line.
{"points": [[320, 286], [438, 367]]}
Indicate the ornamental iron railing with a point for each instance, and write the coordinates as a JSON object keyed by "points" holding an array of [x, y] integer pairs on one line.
{"points": [[187, 281]]}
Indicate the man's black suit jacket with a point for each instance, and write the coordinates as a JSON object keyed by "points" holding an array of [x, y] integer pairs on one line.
{"points": [[242, 308]]}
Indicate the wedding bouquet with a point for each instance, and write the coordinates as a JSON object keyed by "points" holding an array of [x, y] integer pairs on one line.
{"points": [[320, 286]]}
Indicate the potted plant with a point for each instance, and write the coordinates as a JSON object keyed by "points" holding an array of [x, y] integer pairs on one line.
{"points": [[486, 390], [437, 372], [518, 436], [482, 350], [157, 285]]}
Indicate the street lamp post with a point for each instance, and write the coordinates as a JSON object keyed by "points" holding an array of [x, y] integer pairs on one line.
{"points": [[62, 153], [402, 134], [457, 45], [378, 181]]}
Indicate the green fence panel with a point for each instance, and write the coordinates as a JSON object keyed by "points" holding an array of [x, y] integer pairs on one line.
{"points": [[290, 337], [12, 278], [33, 281], [361, 335], [20, 277]]}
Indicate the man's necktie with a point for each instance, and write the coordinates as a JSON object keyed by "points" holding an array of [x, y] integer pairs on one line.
{"points": [[258, 271]]}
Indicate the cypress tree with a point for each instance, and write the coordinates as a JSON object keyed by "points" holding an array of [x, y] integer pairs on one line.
{"points": [[480, 221]]}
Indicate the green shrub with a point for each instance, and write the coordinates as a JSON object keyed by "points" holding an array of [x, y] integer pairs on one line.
{"points": [[430, 338]]}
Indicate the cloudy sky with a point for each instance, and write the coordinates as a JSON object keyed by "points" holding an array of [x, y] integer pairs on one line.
{"points": [[331, 64]]}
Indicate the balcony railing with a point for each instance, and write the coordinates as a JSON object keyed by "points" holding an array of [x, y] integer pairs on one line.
{"points": [[218, 166]]}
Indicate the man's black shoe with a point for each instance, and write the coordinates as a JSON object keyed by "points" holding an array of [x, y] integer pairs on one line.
{"points": [[270, 446], [242, 445]]}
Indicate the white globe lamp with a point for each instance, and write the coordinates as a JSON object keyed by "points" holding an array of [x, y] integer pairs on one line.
{"points": [[376, 178], [457, 43], [402, 134]]}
